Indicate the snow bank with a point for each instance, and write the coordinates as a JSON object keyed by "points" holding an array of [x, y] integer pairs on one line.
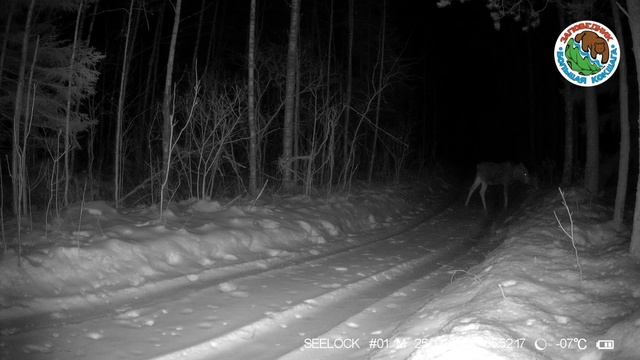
{"points": [[531, 300], [86, 256]]}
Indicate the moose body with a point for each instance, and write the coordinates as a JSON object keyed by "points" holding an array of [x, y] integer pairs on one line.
{"points": [[497, 174]]}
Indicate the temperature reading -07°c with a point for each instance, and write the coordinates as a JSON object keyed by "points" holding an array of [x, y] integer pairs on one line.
{"points": [[572, 343]]}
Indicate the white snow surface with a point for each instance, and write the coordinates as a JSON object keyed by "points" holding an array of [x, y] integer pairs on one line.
{"points": [[382, 273]]}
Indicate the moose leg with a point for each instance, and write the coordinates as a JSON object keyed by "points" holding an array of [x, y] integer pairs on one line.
{"points": [[483, 189], [472, 189]]}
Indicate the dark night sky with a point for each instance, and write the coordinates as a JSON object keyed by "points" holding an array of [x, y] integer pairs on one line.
{"points": [[479, 80]]}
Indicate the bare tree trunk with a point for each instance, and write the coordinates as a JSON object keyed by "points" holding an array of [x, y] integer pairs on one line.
{"points": [[592, 163], [5, 38], [28, 120], [330, 124], [296, 121], [149, 89], [623, 160], [347, 110], [567, 167], [633, 8], [251, 111], [17, 113], [194, 60], [328, 89], [150, 92], [532, 101], [93, 21], [212, 37], [67, 120], [287, 137], [117, 156], [569, 104], [166, 100], [379, 99]]}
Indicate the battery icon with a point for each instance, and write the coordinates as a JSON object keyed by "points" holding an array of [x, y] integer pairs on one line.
{"points": [[605, 344]]}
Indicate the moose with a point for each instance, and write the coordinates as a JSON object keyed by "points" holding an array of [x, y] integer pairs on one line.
{"points": [[504, 174]]}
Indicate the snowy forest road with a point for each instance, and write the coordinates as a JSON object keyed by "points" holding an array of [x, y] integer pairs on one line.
{"points": [[327, 306]]}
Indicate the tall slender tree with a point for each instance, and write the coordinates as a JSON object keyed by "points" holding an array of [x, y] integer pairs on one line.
{"points": [[212, 36], [379, 98], [592, 162], [17, 112], [251, 111], [347, 110], [117, 156], [149, 89], [623, 93], [567, 165], [5, 37], [167, 117], [329, 125], [633, 9], [194, 60], [287, 137], [67, 122]]}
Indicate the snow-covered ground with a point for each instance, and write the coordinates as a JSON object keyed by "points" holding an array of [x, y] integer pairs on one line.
{"points": [[382, 273]]}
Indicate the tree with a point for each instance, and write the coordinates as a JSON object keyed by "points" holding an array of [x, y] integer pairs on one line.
{"points": [[567, 167], [212, 36], [63, 75], [251, 111], [330, 126], [167, 116], [67, 120], [17, 112], [633, 8], [287, 137], [347, 105], [5, 37], [117, 156], [592, 161], [194, 61], [623, 90], [379, 99]]}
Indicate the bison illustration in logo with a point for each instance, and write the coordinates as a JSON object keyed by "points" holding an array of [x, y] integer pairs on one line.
{"points": [[594, 44]]}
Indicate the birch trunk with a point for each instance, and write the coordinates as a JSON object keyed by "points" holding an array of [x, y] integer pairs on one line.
{"points": [[330, 123], [347, 111], [194, 60], [17, 113], [149, 89], [251, 111], [287, 137], [117, 156], [633, 8], [623, 161], [212, 37], [5, 38], [166, 100], [379, 99], [567, 167], [592, 164]]}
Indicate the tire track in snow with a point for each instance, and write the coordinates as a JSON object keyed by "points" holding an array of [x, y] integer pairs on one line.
{"points": [[381, 319], [46, 312], [281, 332], [324, 301], [230, 344]]}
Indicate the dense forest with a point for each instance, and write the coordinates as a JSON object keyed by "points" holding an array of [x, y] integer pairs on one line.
{"points": [[154, 101], [101, 126]]}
